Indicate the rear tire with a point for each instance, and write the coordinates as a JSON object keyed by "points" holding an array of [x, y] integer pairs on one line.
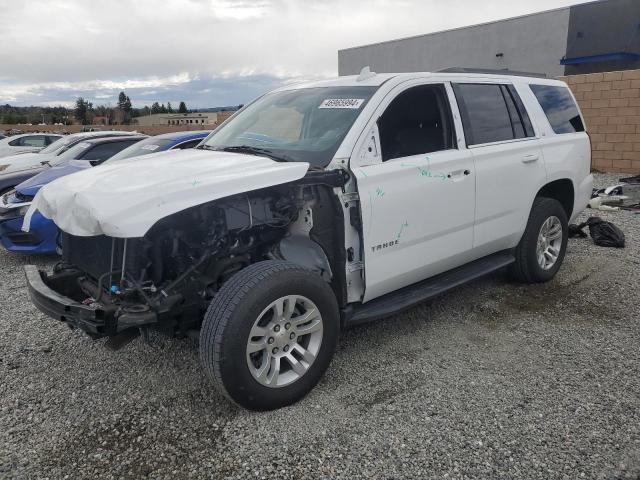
{"points": [[541, 250], [269, 334]]}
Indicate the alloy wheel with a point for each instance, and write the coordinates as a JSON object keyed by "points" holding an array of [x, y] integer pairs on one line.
{"points": [[549, 243], [284, 341]]}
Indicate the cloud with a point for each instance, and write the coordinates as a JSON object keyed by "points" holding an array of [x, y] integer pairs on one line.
{"points": [[65, 48], [239, 10], [197, 92]]}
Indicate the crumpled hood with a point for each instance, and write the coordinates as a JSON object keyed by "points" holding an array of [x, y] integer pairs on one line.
{"points": [[126, 198], [32, 185]]}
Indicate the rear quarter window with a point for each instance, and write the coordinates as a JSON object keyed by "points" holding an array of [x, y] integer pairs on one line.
{"points": [[559, 107]]}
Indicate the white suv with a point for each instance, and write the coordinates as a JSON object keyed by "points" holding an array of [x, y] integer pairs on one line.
{"points": [[316, 207]]}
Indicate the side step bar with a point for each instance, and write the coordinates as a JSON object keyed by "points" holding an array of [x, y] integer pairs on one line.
{"points": [[406, 297]]}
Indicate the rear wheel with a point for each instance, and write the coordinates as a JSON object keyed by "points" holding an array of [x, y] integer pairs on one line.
{"points": [[269, 334], [541, 250]]}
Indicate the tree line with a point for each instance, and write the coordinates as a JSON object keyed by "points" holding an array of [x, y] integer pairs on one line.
{"points": [[84, 112], [13, 115], [122, 114]]}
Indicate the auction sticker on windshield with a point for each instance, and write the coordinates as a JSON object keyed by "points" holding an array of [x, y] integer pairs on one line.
{"points": [[353, 103], [150, 147]]}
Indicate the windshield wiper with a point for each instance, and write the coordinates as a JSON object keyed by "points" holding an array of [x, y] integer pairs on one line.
{"points": [[255, 151]]}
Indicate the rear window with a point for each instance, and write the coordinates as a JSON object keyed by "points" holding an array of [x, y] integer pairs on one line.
{"points": [[559, 107], [491, 113]]}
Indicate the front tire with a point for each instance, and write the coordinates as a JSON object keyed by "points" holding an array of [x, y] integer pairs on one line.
{"points": [[269, 334], [541, 250]]}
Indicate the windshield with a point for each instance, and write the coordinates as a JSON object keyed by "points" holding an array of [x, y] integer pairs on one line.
{"points": [[144, 147], [305, 125], [56, 145], [71, 154]]}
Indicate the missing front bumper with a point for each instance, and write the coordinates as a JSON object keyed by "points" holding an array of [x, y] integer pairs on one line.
{"points": [[53, 296]]}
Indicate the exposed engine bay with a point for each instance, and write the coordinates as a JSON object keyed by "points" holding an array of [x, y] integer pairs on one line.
{"points": [[168, 277]]}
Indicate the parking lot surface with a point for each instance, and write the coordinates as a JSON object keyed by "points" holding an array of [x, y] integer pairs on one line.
{"points": [[493, 380]]}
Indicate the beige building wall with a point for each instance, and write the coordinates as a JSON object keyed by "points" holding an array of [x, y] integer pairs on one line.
{"points": [[610, 103], [202, 119], [148, 130]]}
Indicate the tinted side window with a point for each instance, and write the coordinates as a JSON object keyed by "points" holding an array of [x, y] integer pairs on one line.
{"points": [[31, 141], [106, 150], [520, 123], [522, 111], [559, 107], [485, 115], [417, 121], [38, 141]]}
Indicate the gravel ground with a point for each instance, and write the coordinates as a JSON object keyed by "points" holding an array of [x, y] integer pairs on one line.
{"points": [[493, 380]]}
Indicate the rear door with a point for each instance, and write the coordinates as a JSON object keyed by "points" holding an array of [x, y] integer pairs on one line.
{"points": [[508, 162], [416, 188]]}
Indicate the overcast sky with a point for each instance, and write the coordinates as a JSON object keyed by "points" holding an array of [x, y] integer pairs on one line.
{"points": [[206, 52]]}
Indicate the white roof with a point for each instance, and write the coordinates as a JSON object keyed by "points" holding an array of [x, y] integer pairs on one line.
{"points": [[31, 134], [377, 79]]}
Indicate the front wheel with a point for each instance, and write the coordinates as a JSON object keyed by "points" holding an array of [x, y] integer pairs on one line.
{"points": [[269, 334], [541, 250]]}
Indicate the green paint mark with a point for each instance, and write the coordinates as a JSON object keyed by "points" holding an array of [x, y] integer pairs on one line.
{"points": [[380, 192], [370, 213], [195, 182], [402, 227], [426, 171], [363, 173]]}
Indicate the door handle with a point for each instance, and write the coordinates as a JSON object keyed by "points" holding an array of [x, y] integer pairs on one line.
{"points": [[458, 174], [530, 158]]}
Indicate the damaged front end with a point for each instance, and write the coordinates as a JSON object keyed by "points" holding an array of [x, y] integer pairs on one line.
{"points": [[166, 279]]}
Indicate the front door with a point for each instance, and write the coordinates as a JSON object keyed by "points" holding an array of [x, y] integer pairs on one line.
{"points": [[417, 189]]}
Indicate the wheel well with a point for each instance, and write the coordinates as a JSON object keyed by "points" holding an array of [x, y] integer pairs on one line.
{"points": [[562, 191]]}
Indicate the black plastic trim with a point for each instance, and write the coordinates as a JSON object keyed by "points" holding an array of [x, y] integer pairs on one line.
{"points": [[96, 321], [332, 178], [488, 71], [407, 297], [60, 307]]}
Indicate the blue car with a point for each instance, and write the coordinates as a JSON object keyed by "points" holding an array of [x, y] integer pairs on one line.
{"points": [[14, 204], [161, 143], [43, 234]]}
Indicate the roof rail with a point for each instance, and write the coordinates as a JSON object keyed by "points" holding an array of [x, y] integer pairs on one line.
{"points": [[491, 72]]}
